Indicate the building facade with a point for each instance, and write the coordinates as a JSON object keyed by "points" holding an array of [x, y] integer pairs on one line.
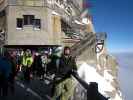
{"points": [[47, 22]]}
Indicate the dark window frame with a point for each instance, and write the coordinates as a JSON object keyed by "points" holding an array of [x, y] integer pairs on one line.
{"points": [[28, 19], [19, 22], [37, 24]]}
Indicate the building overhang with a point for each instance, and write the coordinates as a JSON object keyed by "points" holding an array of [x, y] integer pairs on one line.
{"points": [[29, 46]]}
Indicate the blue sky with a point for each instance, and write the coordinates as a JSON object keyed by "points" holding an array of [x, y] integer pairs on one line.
{"points": [[116, 18]]}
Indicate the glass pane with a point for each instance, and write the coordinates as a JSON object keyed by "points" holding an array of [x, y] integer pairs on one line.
{"points": [[19, 22], [37, 23], [28, 19]]}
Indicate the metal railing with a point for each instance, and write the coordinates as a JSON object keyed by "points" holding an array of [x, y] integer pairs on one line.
{"points": [[80, 91], [84, 44], [85, 91], [86, 38]]}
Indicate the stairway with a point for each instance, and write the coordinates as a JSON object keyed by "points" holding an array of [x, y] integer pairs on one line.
{"points": [[82, 45]]}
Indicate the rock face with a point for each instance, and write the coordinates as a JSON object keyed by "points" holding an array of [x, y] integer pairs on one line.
{"points": [[103, 70], [107, 83], [107, 67]]}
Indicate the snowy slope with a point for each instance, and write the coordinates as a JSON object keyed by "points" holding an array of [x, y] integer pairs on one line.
{"points": [[89, 74]]}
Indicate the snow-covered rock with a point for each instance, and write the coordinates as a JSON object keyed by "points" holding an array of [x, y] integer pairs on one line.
{"points": [[89, 74]]}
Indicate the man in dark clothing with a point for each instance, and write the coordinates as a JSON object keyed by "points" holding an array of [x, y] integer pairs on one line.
{"points": [[67, 65], [12, 59], [65, 87], [52, 65], [36, 63], [5, 71]]}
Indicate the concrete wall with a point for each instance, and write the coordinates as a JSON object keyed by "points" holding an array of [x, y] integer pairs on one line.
{"points": [[57, 34], [29, 36]]}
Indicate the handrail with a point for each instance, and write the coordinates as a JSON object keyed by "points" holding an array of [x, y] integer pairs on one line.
{"points": [[82, 45], [86, 38], [83, 90], [91, 89]]}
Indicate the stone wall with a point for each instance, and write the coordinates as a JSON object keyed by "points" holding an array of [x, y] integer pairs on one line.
{"points": [[28, 35]]}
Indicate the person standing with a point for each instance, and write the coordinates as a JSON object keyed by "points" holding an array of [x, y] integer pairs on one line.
{"points": [[5, 71], [36, 64], [26, 64], [44, 62], [64, 87], [13, 61]]}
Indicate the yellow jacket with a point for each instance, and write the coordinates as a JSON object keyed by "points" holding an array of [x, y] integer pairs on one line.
{"points": [[27, 61]]}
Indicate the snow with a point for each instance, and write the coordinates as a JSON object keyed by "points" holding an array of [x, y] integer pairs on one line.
{"points": [[108, 76], [55, 13], [77, 22], [89, 74], [86, 21], [117, 97]]}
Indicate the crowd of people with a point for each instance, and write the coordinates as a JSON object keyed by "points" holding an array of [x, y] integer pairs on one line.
{"points": [[32, 64]]}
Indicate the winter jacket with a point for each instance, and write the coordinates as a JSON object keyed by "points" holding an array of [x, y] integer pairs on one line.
{"points": [[5, 67], [67, 65], [27, 61]]}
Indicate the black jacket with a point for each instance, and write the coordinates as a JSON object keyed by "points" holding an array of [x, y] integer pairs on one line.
{"points": [[67, 65], [52, 66]]}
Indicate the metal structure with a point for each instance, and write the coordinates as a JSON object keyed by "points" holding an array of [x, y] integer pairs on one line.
{"points": [[100, 41]]}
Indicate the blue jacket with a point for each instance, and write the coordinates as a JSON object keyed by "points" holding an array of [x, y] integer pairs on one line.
{"points": [[5, 67]]}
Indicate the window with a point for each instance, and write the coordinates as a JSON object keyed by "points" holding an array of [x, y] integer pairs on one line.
{"points": [[28, 19], [19, 23], [37, 24]]}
